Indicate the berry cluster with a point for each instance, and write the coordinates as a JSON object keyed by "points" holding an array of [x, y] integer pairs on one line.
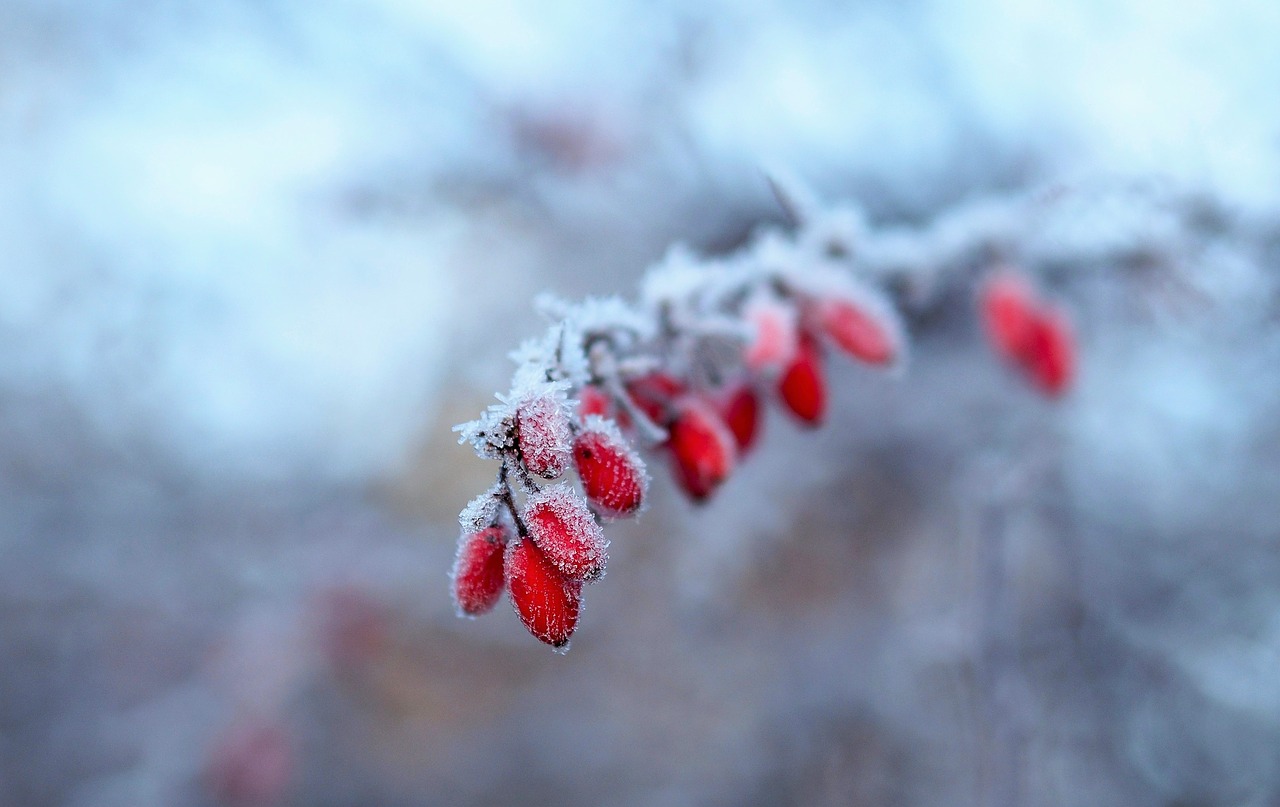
{"points": [[684, 373]]}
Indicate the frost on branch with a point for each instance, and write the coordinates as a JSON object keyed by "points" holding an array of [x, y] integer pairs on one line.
{"points": [[686, 372]]}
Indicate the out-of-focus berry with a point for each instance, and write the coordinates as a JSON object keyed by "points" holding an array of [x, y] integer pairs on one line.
{"points": [[702, 448], [858, 329], [775, 335], [740, 411], [803, 387], [251, 765]]}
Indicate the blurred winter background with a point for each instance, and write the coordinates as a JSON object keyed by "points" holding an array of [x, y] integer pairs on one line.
{"points": [[259, 255]]}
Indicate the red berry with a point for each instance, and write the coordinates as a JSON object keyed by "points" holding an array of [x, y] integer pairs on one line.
{"points": [[355, 628], [251, 765], [546, 602], [477, 572], [1050, 352], [567, 533], [803, 386], [542, 432], [857, 328], [612, 474], [740, 410], [775, 336], [1008, 305], [653, 394], [702, 448], [1034, 336], [593, 401]]}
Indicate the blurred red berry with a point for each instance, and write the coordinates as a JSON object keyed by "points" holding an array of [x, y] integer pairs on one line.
{"points": [[612, 475], [774, 338], [1029, 333], [654, 395], [740, 410], [594, 401], [1008, 305], [803, 387], [355, 627], [546, 602], [857, 328], [542, 432], [702, 448], [251, 765], [477, 572], [566, 532], [1050, 352]]}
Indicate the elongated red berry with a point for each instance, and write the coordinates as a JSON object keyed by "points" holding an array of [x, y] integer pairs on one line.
{"points": [[567, 533], [542, 432], [861, 327], [740, 411], [803, 387], [477, 571], [613, 475], [594, 401], [1029, 333], [774, 338], [1050, 352], [1008, 304], [546, 602], [702, 448]]}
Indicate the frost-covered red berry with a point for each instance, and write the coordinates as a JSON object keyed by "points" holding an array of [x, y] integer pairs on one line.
{"points": [[860, 326], [803, 387], [567, 533], [613, 475], [542, 433], [774, 335], [740, 411], [702, 448], [545, 600], [477, 572]]}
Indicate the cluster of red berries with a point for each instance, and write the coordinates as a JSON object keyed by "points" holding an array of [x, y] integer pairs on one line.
{"points": [[694, 394], [543, 553]]}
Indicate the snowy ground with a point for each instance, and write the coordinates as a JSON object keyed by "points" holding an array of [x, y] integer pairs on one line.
{"points": [[258, 257]]}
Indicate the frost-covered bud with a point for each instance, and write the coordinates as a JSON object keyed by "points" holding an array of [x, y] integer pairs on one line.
{"points": [[860, 324], [774, 335], [481, 512], [546, 602], [613, 475], [478, 572], [567, 533], [702, 448], [803, 387], [739, 407], [542, 432]]}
